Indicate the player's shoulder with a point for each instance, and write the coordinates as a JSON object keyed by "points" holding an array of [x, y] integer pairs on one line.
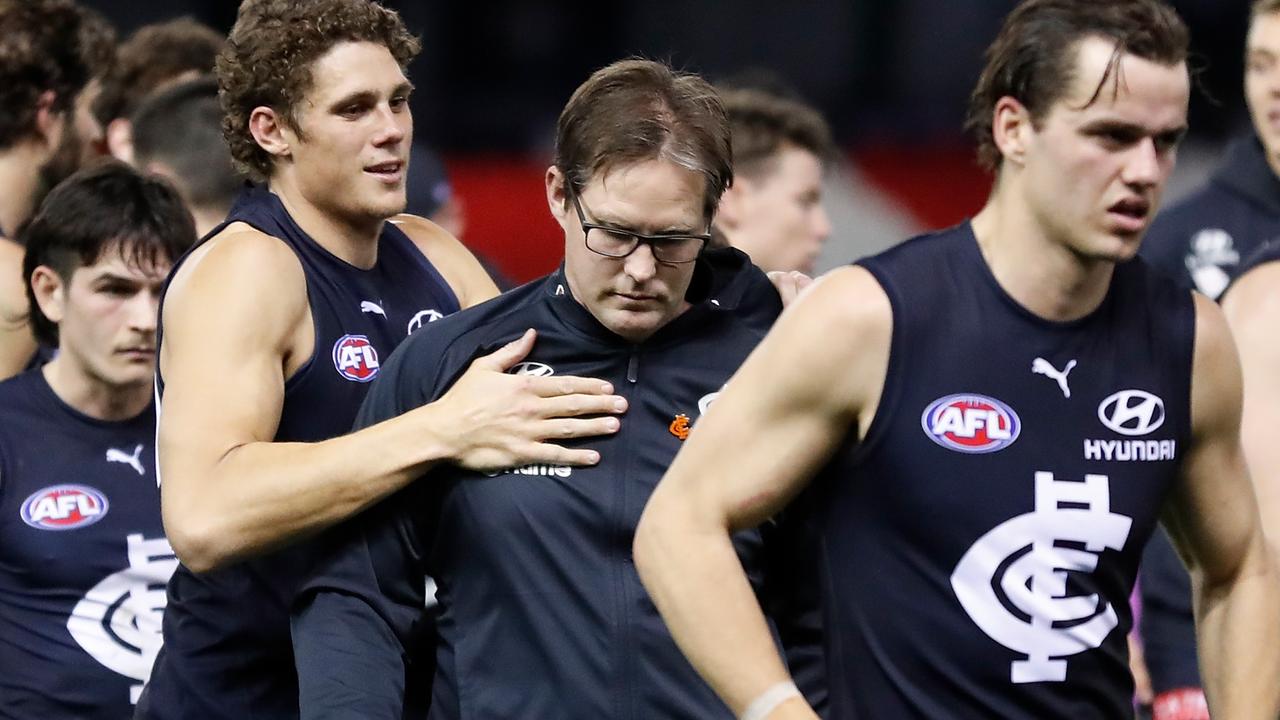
{"points": [[850, 301], [449, 256], [241, 259], [19, 399]]}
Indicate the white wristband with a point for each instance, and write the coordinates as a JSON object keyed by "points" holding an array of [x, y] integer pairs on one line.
{"points": [[769, 700]]}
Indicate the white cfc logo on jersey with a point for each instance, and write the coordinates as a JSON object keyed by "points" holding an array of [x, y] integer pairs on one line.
{"points": [[118, 621], [1035, 582]]}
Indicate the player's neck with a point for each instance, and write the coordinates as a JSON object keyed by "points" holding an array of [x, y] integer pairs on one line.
{"points": [[1039, 272], [93, 397], [355, 242], [19, 175]]}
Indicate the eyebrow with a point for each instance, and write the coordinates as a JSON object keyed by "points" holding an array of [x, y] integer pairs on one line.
{"points": [[368, 96], [1111, 125]]}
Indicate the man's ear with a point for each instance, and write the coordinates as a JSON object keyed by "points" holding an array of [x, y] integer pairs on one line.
{"points": [[270, 131], [120, 139], [557, 196], [50, 293], [1011, 129], [50, 122], [729, 214]]}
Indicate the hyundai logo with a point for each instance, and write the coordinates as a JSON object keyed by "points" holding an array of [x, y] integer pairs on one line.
{"points": [[535, 369], [1132, 412]]}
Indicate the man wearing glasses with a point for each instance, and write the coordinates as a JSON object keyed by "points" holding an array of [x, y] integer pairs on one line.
{"points": [[541, 612]]}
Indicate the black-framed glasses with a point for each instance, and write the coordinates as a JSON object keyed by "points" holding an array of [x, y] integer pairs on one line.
{"points": [[618, 242]]}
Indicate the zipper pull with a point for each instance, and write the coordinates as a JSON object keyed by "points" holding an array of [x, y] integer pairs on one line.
{"points": [[633, 367]]}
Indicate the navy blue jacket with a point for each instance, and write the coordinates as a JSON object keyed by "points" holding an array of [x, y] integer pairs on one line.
{"points": [[541, 611], [1201, 240]]}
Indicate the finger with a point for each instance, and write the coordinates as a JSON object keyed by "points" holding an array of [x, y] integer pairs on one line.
{"points": [[566, 428], [580, 404], [802, 281], [505, 357], [568, 385], [549, 454]]}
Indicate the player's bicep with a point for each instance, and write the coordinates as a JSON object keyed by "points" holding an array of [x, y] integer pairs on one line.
{"points": [[228, 322], [1212, 514], [792, 403]]}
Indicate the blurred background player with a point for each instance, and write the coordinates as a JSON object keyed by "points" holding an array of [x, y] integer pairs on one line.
{"points": [[1202, 239], [1202, 242], [154, 56], [50, 50], [177, 133], [272, 330], [83, 558], [774, 212]]}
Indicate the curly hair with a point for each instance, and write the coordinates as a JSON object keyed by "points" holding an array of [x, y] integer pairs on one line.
{"points": [[47, 45], [269, 57], [1033, 58], [153, 56]]}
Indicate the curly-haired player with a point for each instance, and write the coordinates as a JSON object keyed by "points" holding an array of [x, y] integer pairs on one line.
{"points": [[273, 328]]}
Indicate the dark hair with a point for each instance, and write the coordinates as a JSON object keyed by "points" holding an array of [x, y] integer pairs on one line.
{"points": [[763, 124], [1033, 61], [110, 206], [181, 127], [1263, 7], [270, 53], [636, 110], [153, 56], [46, 45]]}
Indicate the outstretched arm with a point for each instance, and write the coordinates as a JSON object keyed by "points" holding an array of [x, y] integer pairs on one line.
{"points": [[236, 323], [1213, 520], [818, 373]]}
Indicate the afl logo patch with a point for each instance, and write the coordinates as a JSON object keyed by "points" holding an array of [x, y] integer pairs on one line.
{"points": [[971, 423], [64, 507], [355, 358]]}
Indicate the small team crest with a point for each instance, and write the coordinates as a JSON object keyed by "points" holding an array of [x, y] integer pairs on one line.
{"points": [[64, 507], [355, 358], [971, 423]]}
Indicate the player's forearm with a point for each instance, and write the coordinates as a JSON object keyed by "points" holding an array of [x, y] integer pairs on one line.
{"points": [[262, 495], [694, 576], [1238, 630]]}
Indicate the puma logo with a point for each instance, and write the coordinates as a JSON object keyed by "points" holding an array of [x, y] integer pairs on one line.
{"points": [[369, 306], [1040, 366], [118, 456]]}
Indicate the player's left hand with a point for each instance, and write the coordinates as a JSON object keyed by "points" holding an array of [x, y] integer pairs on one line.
{"points": [[789, 284]]}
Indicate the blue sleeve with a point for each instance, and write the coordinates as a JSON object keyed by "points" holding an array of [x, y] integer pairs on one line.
{"points": [[359, 613]]}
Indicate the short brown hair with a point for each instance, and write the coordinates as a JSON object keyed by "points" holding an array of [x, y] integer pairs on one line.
{"points": [[1033, 58], [763, 124], [1263, 7], [269, 54], [153, 56], [46, 45], [635, 110]]}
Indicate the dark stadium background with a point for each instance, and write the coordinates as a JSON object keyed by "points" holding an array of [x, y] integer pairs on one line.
{"points": [[892, 77]]}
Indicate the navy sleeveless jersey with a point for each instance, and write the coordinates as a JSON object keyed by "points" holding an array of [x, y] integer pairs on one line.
{"points": [[980, 545], [1269, 252], [230, 654], [83, 558]]}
